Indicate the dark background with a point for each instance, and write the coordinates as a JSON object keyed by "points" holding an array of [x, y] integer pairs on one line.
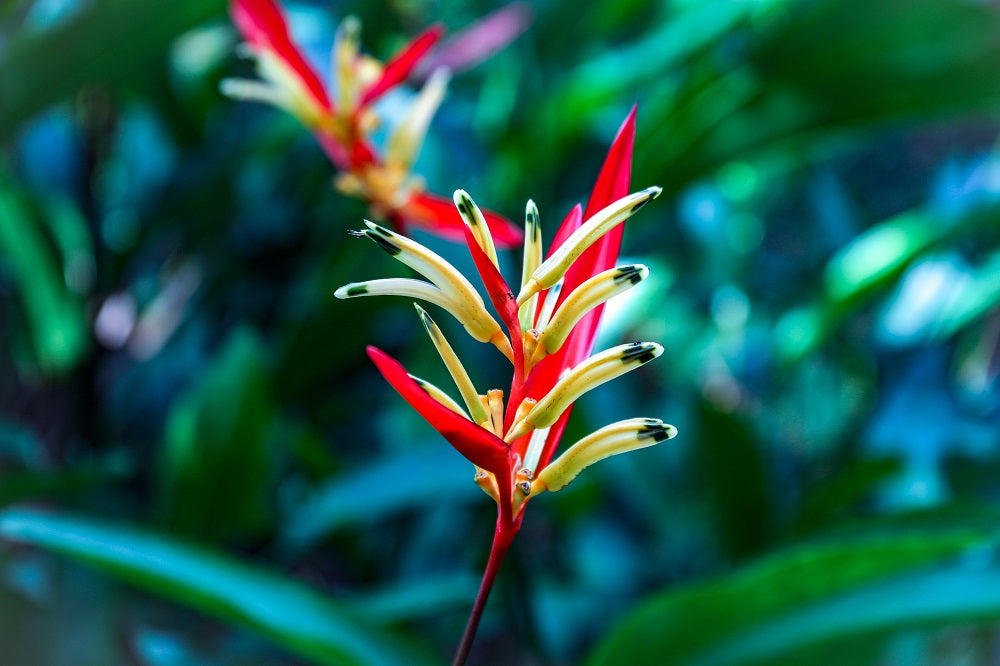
{"points": [[187, 410]]}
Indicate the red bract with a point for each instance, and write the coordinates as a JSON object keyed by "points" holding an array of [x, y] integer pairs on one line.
{"points": [[437, 214], [263, 27], [551, 326], [481, 447], [343, 125], [398, 69], [612, 184]]}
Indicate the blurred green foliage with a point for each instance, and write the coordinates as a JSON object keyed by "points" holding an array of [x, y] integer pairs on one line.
{"points": [[185, 408]]}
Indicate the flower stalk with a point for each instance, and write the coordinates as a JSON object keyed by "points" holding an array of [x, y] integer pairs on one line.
{"points": [[498, 549], [547, 333]]}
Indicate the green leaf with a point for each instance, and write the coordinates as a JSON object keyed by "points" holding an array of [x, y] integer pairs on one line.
{"points": [[880, 254], [379, 489], [876, 259], [734, 478], [418, 599], [112, 42], [216, 451], [844, 586], [298, 618], [823, 501], [914, 60], [974, 298], [54, 316], [17, 485]]}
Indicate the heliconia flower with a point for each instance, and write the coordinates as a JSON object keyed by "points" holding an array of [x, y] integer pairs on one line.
{"points": [[550, 330], [343, 122]]}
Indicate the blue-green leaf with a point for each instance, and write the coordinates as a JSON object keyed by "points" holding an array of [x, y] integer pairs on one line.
{"points": [[53, 315], [219, 430], [838, 588], [300, 619]]}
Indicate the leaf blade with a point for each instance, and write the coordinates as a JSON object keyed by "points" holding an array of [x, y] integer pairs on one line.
{"points": [[290, 614]]}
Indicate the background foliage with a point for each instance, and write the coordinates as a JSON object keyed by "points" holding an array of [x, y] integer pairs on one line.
{"points": [[186, 411]]}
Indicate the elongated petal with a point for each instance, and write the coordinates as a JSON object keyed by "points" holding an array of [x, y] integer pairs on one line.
{"points": [[439, 216], [481, 447], [423, 260], [476, 223], [398, 68], [455, 368], [572, 222], [608, 441], [531, 259], [556, 266], [406, 287], [467, 304], [585, 298], [503, 300], [406, 141], [346, 47], [589, 374], [263, 26]]}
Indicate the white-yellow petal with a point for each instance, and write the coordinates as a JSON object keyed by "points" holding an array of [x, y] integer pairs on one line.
{"points": [[608, 441], [249, 90], [553, 268], [532, 259], [346, 47], [455, 367], [465, 303], [589, 374], [548, 305], [582, 300], [406, 141], [476, 223], [424, 261]]}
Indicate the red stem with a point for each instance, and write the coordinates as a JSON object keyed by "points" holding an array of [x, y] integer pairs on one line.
{"points": [[502, 538]]}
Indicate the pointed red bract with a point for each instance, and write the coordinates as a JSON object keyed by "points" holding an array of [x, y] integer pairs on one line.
{"points": [[334, 150], [363, 154], [263, 26], [506, 234], [439, 216], [612, 184], [398, 68], [503, 300], [479, 446]]}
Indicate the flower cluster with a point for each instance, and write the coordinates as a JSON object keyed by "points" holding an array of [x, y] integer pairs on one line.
{"points": [[343, 118], [547, 333], [550, 329]]}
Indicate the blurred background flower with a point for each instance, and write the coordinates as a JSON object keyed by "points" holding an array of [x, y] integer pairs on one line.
{"points": [[185, 408]]}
